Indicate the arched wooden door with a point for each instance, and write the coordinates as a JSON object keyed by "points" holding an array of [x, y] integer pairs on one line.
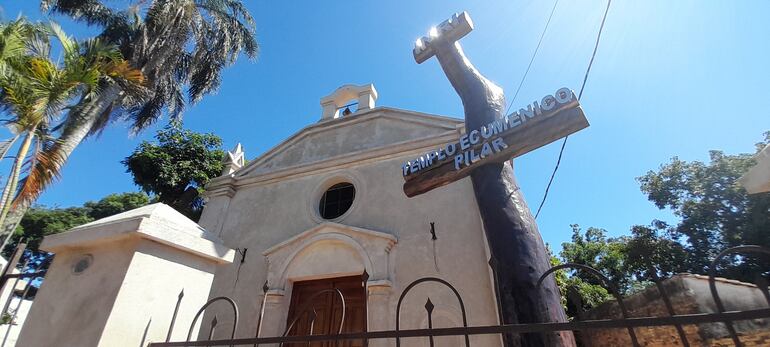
{"points": [[326, 310]]}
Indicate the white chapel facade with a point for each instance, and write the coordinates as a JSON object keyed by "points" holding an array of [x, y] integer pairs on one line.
{"points": [[328, 204], [321, 215]]}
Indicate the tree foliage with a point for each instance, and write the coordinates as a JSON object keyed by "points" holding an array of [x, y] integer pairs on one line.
{"points": [[115, 203], [593, 248], [35, 90], [653, 252], [577, 295], [176, 168], [180, 46], [41, 221], [715, 211]]}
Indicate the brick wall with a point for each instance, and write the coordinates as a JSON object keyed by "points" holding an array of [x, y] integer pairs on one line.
{"points": [[688, 294]]}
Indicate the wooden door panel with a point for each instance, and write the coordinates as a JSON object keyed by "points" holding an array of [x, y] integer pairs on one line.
{"points": [[328, 309]]}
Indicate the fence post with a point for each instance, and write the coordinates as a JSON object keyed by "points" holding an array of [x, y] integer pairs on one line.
{"points": [[669, 306], [173, 317], [12, 262]]}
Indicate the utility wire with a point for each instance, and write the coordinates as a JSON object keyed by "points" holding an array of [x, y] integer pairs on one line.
{"points": [[534, 54], [580, 95]]}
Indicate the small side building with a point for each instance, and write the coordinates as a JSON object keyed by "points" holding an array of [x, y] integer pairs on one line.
{"points": [[116, 281]]}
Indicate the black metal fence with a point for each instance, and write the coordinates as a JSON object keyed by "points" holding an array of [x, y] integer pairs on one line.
{"points": [[30, 272], [722, 316], [630, 324]]}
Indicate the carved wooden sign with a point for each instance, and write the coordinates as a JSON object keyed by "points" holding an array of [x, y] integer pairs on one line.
{"points": [[520, 132]]}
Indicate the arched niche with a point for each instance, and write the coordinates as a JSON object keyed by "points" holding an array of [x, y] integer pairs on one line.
{"points": [[330, 250]]}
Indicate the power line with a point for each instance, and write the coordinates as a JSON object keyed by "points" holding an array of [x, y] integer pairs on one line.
{"points": [[534, 54], [580, 95]]}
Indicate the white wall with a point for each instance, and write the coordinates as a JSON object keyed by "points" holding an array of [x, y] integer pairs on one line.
{"points": [[15, 329], [149, 293], [265, 214], [129, 292], [71, 309]]}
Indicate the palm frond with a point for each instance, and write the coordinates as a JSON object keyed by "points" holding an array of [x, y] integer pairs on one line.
{"points": [[49, 159], [180, 46], [6, 145], [92, 12], [123, 70], [13, 36], [70, 46]]}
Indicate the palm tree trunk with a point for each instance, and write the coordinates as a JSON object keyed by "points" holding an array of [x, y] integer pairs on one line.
{"points": [[13, 179], [79, 124], [7, 190]]}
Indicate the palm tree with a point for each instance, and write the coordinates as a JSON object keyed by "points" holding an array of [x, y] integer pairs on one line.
{"points": [[34, 91], [181, 47], [14, 39]]}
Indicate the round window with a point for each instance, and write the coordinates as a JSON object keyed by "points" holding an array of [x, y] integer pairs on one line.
{"points": [[337, 200]]}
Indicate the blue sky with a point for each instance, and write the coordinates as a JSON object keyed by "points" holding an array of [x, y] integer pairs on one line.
{"points": [[671, 78]]}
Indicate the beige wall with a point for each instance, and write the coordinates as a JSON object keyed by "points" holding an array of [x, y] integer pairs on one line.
{"points": [[130, 290], [262, 215], [155, 277], [66, 311]]}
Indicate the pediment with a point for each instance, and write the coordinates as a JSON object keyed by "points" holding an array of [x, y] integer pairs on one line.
{"points": [[371, 130]]}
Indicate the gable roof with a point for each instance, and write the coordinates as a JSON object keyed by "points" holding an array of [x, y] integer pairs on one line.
{"points": [[379, 130]]}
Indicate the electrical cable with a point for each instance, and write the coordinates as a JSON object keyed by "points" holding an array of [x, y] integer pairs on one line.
{"points": [[580, 95], [534, 54]]}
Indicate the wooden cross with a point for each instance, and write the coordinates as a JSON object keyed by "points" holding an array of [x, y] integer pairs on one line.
{"points": [[553, 117], [517, 253]]}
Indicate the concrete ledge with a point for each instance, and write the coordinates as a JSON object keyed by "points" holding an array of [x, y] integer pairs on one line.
{"points": [[157, 222]]}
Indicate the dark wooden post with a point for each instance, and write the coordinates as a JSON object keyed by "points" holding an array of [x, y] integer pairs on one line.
{"points": [[512, 234]]}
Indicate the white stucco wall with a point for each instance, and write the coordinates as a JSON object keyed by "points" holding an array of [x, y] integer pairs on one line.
{"points": [[6, 291], [21, 314], [66, 311], [148, 295], [258, 214], [18, 322], [140, 261]]}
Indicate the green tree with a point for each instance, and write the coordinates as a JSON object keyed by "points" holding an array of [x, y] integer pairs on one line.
{"points": [[115, 203], [653, 252], [181, 47], [577, 295], [716, 211], [41, 221], [593, 248], [582, 290], [176, 168]]}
